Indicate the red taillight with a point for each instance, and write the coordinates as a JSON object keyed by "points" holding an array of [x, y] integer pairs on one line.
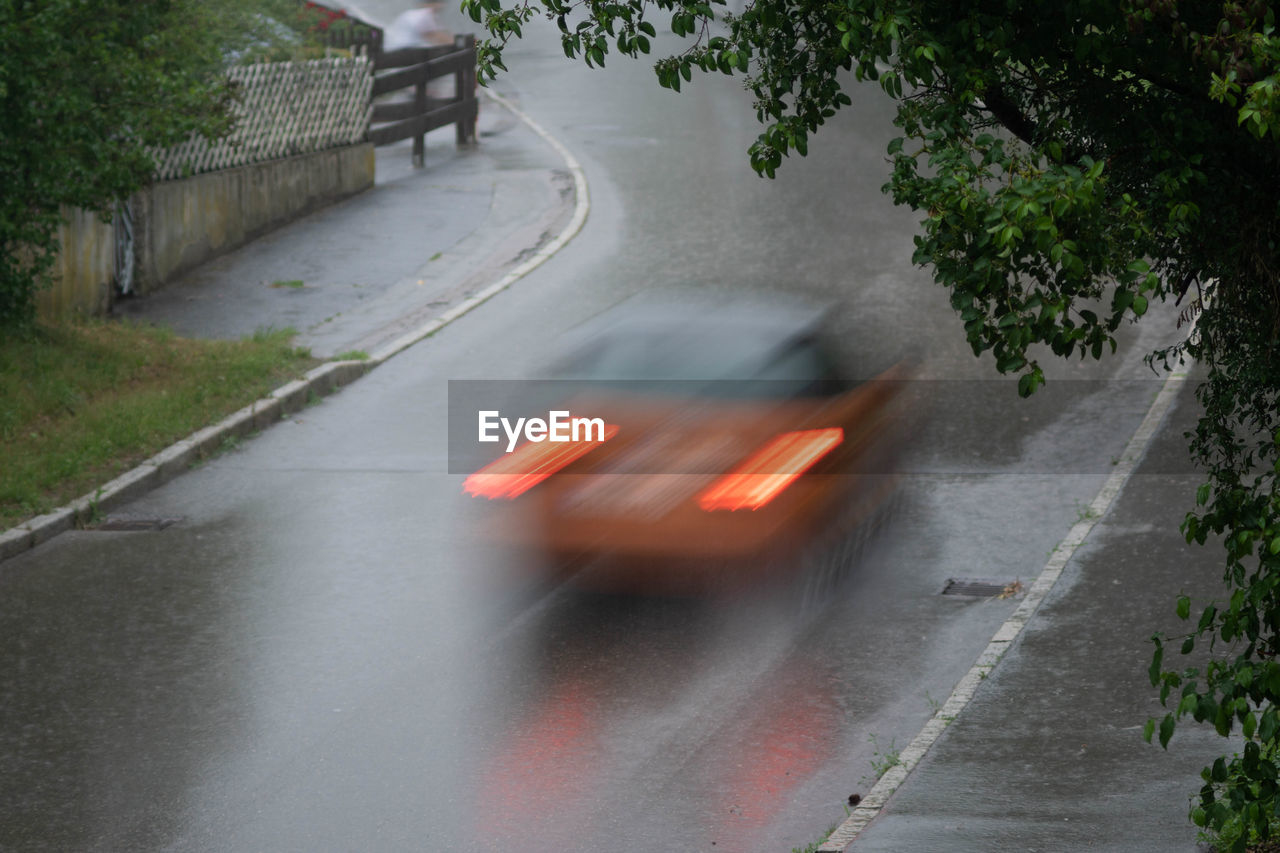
{"points": [[528, 465], [767, 472]]}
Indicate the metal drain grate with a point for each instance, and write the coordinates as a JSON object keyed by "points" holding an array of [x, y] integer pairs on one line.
{"points": [[117, 523], [982, 588]]}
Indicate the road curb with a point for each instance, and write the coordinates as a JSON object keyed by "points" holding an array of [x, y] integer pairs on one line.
{"points": [[869, 807], [582, 206], [319, 382], [178, 457]]}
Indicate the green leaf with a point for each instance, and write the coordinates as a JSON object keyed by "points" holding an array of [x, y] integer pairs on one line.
{"points": [[1166, 730], [1184, 607], [1267, 728], [1222, 721], [1148, 730]]}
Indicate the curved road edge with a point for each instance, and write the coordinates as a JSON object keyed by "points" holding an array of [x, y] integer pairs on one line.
{"points": [[293, 396]]}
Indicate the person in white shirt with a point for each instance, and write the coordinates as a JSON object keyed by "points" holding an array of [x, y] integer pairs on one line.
{"points": [[417, 27]]}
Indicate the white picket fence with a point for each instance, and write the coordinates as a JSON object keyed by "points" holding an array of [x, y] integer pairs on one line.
{"points": [[285, 108]]}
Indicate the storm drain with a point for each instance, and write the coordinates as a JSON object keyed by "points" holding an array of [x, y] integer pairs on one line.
{"points": [[982, 588], [125, 523]]}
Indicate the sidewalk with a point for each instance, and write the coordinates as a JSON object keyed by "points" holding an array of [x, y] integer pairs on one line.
{"points": [[360, 273], [1048, 755]]}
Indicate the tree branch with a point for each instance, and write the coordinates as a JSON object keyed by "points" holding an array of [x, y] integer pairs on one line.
{"points": [[1008, 114]]}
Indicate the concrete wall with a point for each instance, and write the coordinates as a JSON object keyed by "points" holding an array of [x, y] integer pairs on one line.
{"points": [[179, 225], [84, 269]]}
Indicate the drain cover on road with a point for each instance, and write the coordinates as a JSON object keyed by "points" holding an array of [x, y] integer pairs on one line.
{"points": [[113, 522], [982, 588]]}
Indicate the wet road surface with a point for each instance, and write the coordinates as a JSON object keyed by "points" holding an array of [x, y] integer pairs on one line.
{"points": [[325, 654]]}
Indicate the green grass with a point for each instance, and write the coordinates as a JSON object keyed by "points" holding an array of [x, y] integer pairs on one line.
{"points": [[883, 760], [1084, 512], [813, 846], [80, 403], [293, 283], [352, 355]]}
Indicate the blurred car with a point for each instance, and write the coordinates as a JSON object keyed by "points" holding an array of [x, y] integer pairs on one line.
{"points": [[732, 443]]}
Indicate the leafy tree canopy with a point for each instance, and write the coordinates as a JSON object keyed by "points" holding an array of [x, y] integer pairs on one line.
{"points": [[1072, 161], [85, 90]]}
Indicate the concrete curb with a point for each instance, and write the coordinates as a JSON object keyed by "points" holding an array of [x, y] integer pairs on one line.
{"points": [[869, 808], [289, 398], [582, 206], [180, 456]]}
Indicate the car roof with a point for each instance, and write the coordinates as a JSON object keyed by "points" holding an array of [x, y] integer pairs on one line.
{"points": [[688, 337]]}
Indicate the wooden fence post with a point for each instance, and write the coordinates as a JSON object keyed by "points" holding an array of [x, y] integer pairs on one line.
{"points": [[416, 67], [465, 89], [420, 139]]}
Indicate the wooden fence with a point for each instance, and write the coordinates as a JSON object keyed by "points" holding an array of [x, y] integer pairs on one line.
{"points": [[416, 67]]}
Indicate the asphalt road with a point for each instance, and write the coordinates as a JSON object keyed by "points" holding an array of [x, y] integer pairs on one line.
{"points": [[324, 653]]}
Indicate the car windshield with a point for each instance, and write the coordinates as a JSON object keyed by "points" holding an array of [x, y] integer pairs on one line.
{"points": [[717, 363]]}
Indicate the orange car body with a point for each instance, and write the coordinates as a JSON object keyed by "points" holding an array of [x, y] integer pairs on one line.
{"points": [[689, 491]]}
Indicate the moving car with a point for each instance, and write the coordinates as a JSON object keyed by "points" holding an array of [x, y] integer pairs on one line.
{"points": [[731, 444]]}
